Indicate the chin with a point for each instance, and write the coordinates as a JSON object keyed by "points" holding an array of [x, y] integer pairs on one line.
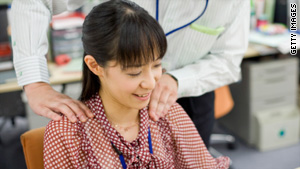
{"points": [[142, 105], [139, 104]]}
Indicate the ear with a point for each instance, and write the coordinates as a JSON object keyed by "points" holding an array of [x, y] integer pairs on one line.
{"points": [[93, 65]]}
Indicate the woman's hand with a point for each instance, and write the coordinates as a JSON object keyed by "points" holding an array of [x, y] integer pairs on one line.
{"points": [[47, 102], [163, 97]]}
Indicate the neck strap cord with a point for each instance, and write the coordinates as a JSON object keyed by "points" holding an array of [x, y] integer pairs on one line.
{"points": [[121, 154], [181, 27]]}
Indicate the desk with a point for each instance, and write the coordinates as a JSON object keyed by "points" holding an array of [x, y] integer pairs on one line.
{"points": [[12, 91], [251, 52], [58, 76]]}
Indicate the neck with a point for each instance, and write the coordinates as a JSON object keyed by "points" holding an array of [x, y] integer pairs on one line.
{"points": [[118, 114]]}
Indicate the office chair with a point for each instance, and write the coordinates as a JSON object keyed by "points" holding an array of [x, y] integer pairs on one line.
{"points": [[32, 142], [223, 105]]}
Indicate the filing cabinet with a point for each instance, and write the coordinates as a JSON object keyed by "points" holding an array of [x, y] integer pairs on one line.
{"points": [[277, 127], [265, 85]]}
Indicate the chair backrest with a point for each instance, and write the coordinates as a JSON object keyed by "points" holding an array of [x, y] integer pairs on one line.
{"points": [[32, 142], [223, 101]]}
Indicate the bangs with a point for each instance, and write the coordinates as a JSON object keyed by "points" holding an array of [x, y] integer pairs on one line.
{"points": [[141, 41]]}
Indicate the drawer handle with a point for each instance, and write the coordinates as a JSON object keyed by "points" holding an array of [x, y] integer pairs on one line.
{"points": [[276, 114], [274, 100], [275, 80], [275, 69]]}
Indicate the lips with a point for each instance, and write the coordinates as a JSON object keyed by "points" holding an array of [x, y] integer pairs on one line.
{"points": [[143, 97]]}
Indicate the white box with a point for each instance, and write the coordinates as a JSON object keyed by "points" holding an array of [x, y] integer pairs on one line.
{"points": [[277, 128]]}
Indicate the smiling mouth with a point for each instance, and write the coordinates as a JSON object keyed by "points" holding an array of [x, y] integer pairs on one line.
{"points": [[143, 95]]}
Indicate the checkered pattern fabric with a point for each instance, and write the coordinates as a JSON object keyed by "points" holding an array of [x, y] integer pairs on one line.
{"points": [[175, 141]]}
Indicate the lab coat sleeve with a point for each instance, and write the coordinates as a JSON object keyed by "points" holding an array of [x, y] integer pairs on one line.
{"points": [[221, 66], [30, 22]]}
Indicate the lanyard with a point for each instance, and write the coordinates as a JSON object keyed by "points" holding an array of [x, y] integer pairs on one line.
{"points": [[121, 154], [183, 26]]}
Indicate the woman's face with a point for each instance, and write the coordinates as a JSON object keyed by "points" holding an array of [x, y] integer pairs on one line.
{"points": [[130, 88]]}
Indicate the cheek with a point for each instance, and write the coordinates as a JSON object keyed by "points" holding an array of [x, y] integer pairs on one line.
{"points": [[128, 86], [158, 74]]}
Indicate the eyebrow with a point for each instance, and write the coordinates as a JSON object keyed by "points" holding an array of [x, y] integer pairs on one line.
{"points": [[139, 65], [134, 66]]}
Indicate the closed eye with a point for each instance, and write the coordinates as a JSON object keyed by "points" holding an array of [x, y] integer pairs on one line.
{"points": [[157, 65], [134, 74]]}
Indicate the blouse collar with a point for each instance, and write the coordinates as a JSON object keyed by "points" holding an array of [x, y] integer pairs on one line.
{"points": [[137, 150]]}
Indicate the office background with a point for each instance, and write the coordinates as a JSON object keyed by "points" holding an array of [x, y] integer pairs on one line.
{"points": [[266, 100]]}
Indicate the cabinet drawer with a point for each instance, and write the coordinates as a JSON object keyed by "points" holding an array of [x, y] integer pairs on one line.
{"points": [[273, 101], [267, 78], [273, 85], [282, 67]]}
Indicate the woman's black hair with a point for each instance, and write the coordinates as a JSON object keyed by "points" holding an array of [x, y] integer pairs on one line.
{"points": [[119, 30]]}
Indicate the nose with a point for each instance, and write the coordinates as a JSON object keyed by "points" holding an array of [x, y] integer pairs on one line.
{"points": [[150, 80]]}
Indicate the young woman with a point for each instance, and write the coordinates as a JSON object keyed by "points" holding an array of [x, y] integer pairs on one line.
{"points": [[123, 47]]}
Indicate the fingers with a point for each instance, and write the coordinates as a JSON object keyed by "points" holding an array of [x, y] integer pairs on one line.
{"points": [[70, 109], [163, 97], [171, 100], [73, 109], [162, 104], [153, 104], [85, 109], [160, 107], [47, 102], [51, 115], [77, 110]]}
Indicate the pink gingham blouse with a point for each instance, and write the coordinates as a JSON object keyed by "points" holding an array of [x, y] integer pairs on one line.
{"points": [[175, 141]]}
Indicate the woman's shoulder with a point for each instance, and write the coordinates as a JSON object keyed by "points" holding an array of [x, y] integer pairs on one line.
{"points": [[62, 127], [176, 108], [177, 116], [176, 112]]}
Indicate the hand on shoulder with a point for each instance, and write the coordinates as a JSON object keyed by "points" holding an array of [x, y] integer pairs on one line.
{"points": [[163, 97], [47, 102]]}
